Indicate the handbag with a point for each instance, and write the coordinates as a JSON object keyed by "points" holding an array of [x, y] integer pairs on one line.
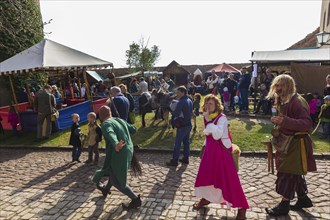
{"points": [[280, 141], [236, 153], [19, 127], [178, 122]]}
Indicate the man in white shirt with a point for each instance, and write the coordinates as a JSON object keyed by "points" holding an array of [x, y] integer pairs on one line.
{"points": [[143, 86]]}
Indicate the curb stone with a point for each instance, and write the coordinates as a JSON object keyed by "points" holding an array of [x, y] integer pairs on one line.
{"points": [[325, 156]]}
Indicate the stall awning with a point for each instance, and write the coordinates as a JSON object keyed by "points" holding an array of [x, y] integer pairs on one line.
{"points": [[224, 68], [95, 75], [128, 75], [287, 56], [49, 55]]}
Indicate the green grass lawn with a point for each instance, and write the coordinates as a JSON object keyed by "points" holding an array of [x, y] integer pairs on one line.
{"points": [[246, 133]]}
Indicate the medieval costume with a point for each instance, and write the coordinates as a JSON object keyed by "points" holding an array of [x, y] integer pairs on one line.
{"points": [[293, 165], [217, 179], [117, 162]]}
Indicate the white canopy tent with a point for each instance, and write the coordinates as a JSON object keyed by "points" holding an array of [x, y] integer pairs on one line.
{"points": [[287, 56], [49, 55], [309, 67]]}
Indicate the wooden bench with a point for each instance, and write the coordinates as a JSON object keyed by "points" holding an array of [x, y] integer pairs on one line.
{"points": [[269, 156]]}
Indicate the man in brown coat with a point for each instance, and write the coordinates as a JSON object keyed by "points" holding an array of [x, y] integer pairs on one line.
{"points": [[293, 121], [44, 103]]}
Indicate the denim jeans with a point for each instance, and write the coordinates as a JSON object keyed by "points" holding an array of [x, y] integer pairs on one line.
{"points": [[114, 182], [245, 98], [182, 136]]}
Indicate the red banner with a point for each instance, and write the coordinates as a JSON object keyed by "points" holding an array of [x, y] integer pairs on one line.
{"points": [[97, 104], [21, 107]]}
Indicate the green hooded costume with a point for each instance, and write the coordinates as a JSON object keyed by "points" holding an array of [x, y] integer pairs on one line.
{"points": [[115, 130]]}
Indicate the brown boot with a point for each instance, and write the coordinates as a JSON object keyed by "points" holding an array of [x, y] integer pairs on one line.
{"points": [[241, 214]]}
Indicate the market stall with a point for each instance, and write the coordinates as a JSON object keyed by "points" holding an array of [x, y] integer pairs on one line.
{"points": [[55, 60]]}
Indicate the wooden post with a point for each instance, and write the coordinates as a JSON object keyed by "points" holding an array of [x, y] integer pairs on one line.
{"points": [[62, 90], [87, 85], [270, 158], [12, 89], [255, 89], [79, 83]]}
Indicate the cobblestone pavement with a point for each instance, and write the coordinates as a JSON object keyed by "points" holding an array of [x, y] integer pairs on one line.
{"points": [[40, 184]]}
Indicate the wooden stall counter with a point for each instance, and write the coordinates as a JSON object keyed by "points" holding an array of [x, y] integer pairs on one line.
{"points": [[74, 101]]}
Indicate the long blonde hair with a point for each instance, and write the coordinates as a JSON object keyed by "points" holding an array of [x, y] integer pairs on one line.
{"points": [[287, 85]]}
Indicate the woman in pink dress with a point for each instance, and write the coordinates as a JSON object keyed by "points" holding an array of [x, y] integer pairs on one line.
{"points": [[217, 179]]}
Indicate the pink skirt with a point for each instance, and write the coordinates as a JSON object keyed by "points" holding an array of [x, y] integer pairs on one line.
{"points": [[217, 179]]}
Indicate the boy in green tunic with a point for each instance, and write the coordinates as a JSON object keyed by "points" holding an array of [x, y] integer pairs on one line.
{"points": [[119, 152]]}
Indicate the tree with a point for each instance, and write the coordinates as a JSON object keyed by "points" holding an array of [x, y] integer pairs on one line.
{"points": [[20, 26], [140, 57]]}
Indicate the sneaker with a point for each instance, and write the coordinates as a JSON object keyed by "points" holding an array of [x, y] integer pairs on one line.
{"points": [[303, 202], [185, 161], [135, 203], [172, 163]]}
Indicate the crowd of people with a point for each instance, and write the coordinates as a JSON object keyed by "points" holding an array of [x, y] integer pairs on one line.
{"points": [[217, 180]]}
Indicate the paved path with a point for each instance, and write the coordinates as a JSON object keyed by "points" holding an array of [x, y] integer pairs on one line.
{"points": [[36, 184]]}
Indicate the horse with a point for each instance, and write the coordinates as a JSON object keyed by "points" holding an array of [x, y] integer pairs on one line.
{"points": [[159, 101]]}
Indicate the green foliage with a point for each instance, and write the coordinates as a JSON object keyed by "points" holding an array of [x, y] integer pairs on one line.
{"points": [[22, 80], [30, 79], [21, 26], [140, 57]]}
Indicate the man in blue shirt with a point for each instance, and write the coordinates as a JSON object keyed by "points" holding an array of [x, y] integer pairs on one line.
{"points": [[119, 103], [243, 87], [183, 112]]}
